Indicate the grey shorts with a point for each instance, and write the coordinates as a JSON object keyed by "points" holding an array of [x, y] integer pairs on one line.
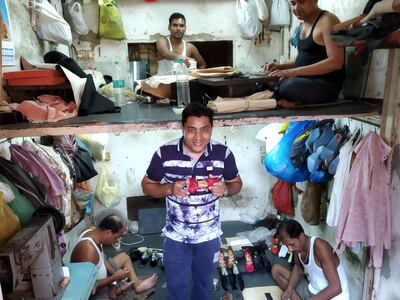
{"points": [[302, 289]]}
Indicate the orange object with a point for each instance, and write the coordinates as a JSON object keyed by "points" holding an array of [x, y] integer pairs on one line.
{"points": [[34, 77]]}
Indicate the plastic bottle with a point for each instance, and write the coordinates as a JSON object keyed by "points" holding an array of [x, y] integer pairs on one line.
{"points": [[118, 85], [182, 83]]}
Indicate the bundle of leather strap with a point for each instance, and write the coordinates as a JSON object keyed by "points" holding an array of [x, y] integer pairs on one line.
{"points": [[258, 101], [215, 72]]}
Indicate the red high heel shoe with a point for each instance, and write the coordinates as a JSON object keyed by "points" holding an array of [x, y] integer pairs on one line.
{"points": [[249, 266]]}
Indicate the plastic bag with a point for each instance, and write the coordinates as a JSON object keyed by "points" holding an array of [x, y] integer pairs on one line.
{"points": [[282, 197], [107, 192], [257, 235], [77, 20], [249, 25], [48, 24], [262, 10], [280, 13], [9, 223], [277, 161], [110, 22], [97, 144]]}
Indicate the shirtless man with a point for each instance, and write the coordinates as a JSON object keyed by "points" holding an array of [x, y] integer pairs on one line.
{"points": [[317, 73], [174, 47], [315, 257], [118, 268]]}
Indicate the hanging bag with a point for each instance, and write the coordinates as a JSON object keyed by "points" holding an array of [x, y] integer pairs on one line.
{"points": [[249, 25], [110, 22], [9, 223], [48, 24], [107, 190], [282, 197], [280, 13], [262, 10]]}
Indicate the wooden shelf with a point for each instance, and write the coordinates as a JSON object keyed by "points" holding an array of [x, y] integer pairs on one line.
{"points": [[150, 117]]}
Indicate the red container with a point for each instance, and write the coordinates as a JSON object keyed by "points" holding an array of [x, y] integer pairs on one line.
{"points": [[34, 77]]}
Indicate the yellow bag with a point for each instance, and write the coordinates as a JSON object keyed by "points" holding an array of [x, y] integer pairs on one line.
{"points": [[110, 22], [9, 222], [107, 192]]}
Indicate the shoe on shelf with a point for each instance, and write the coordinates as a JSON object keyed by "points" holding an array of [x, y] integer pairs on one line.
{"points": [[248, 256], [223, 272]]}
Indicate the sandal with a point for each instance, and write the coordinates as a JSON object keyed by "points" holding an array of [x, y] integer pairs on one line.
{"points": [[249, 266]]}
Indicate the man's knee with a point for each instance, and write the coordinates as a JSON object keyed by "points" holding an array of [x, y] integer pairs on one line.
{"points": [[276, 272]]}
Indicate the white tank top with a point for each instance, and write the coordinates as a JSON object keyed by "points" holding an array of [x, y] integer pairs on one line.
{"points": [[101, 267], [165, 66], [318, 281]]}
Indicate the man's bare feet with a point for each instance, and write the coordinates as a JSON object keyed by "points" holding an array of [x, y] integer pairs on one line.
{"points": [[286, 104], [114, 290], [142, 285]]}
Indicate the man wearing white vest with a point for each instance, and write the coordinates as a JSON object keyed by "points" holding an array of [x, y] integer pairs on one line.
{"points": [[315, 258], [173, 47]]}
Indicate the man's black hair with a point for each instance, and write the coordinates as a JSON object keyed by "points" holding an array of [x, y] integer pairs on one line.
{"points": [[291, 227], [112, 222], [197, 110], [176, 16]]}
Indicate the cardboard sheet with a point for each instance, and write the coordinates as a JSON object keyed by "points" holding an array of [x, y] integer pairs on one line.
{"points": [[258, 293]]}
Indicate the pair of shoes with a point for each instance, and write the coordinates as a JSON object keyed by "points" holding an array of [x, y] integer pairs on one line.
{"points": [[248, 256], [236, 277]]}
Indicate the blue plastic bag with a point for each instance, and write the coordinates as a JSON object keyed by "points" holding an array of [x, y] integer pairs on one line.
{"points": [[277, 161]]}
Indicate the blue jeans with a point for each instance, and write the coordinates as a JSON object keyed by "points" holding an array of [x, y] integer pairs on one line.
{"points": [[182, 260]]}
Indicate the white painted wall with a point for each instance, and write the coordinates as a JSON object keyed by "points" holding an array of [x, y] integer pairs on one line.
{"points": [[206, 20]]}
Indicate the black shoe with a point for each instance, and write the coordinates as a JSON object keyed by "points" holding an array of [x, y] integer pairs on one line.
{"points": [[237, 278], [266, 263], [146, 255], [135, 254], [224, 278], [154, 259]]}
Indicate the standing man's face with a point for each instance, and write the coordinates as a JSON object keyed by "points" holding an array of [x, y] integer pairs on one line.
{"points": [[303, 8], [197, 134], [177, 28]]}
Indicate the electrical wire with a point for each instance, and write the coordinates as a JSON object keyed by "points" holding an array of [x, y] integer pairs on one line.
{"points": [[141, 239]]}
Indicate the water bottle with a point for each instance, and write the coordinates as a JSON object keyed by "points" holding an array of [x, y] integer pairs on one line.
{"points": [[182, 83], [118, 85]]}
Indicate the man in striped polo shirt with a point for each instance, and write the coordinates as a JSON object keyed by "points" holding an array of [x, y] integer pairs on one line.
{"points": [[192, 226]]}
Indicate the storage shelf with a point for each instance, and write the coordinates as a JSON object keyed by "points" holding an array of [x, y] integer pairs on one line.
{"points": [[137, 117]]}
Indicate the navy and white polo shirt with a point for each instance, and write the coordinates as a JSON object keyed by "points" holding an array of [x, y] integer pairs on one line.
{"points": [[192, 219]]}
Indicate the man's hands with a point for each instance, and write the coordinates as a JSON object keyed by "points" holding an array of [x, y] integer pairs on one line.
{"points": [[287, 295], [181, 189], [178, 188], [121, 274]]}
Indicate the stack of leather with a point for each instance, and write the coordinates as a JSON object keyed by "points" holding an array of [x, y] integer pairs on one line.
{"points": [[214, 72], [258, 101]]}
